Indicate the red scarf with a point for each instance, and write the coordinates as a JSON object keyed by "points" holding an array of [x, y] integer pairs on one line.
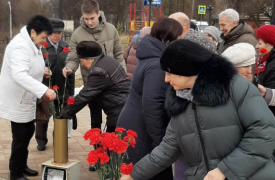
{"points": [[261, 63]]}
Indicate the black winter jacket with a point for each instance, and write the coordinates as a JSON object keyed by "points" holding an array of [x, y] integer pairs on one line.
{"points": [[144, 111], [57, 63], [267, 78], [107, 83], [227, 125]]}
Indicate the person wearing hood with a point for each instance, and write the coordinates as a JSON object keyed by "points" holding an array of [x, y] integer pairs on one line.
{"points": [[220, 123], [107, 83], [234, 31], [93, 27], [144, 110]]}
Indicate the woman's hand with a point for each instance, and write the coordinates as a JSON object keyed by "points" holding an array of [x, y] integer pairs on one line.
{"points": [[50, 94], [126, 177], [47, 73], [215, 174], [262, 90]]}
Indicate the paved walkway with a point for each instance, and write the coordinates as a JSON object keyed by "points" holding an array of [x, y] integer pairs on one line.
{"points": [[78, 148]]}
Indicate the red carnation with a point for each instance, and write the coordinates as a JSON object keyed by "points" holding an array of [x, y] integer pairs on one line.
{"points": [[91, 131], [55, 87], [263, 51], [47, 99], [109, 141], [94, 138], [120, 130], [120, 146], [132, 133], [126, 169], [130, 140], [46, 55], [103, 158], [96, 151], [66, 49], [70, 101], [92, 158], [45, 44]]}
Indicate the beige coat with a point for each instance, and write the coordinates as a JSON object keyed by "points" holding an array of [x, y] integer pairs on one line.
{"points": [[105, 34], [243, 33]]}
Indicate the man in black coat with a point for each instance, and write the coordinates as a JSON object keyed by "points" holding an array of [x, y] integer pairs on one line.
{"points": [[58, 51], [107, 84]]}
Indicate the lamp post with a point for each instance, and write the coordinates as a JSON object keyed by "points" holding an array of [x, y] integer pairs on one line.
{"points": [[150, 4], [210, 8], [60, 9], [10, 21]]}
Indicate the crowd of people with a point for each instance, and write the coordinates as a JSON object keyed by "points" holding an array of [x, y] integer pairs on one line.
{"points": [[202, 104]]}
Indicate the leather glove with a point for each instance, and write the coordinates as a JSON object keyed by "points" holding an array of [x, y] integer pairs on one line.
{"points": [[64, 114], [74, 122]]}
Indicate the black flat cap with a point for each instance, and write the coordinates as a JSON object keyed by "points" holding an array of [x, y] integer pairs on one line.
{"points": [[58, 24], [88, 49]]}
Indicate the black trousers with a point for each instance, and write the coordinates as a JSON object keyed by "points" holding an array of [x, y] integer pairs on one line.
{"points": [[21, 136], [96, 114]]}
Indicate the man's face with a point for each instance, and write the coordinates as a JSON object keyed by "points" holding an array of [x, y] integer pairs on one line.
{"points": [[226, 25], [55, 37], [91, 19]]}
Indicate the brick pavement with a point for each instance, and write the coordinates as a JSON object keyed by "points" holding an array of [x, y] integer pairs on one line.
{"points": [[78, 148]]}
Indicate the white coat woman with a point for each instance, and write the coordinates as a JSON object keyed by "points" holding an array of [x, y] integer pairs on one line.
{"points": [[20, 86]]}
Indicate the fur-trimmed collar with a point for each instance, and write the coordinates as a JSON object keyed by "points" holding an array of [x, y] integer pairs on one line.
{"points": [[211, 88]]}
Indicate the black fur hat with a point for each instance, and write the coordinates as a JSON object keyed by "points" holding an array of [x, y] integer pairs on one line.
{"points": [[88, 49], [184, 57]]}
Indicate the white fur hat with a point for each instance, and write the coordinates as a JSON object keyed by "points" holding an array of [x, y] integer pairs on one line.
{"points": [[241, 54]]}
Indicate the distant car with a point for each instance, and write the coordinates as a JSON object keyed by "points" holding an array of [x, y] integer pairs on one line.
{"points": [[200, 25]]}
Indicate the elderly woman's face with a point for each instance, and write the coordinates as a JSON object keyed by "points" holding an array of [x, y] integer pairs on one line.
{"points": [[262, 44], [246, 72], [180, 82], [38, 39]]}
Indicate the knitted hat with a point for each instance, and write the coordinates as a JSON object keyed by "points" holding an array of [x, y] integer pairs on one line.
{"points": [[201, 39], [241, 54], [213, 31], [58, 24], [267, 34], [184, 57], [88, 49]]}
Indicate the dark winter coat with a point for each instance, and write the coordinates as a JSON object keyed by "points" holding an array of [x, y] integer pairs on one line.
{"points": [[57, 63], [144, 111], [267, 78], [108, 84], [242, 33], [227, 125]]}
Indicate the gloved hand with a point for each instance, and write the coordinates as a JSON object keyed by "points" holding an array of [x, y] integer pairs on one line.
{"points": [[64, 114], [74, 122]]}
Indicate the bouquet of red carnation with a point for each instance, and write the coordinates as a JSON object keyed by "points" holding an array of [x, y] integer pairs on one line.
{"points": [[56, 112], [110, 152]]}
